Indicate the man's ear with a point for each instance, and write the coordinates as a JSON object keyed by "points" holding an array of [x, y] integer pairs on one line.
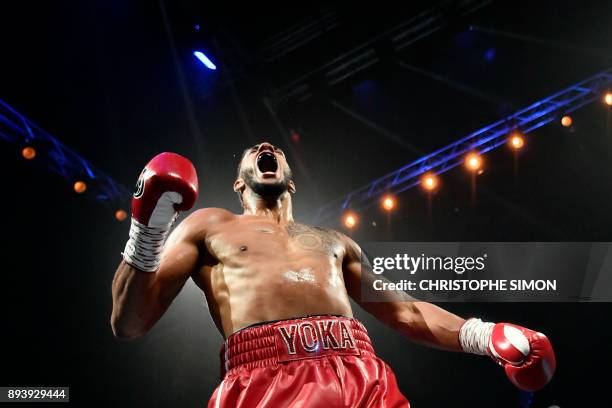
{"points": [[239, 185], [291, 187]]}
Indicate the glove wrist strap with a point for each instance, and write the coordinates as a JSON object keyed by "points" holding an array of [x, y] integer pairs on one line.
{"points": [[144, 248], [475, 336]]}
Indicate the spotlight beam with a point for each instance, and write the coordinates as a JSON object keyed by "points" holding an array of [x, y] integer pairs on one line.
{"points": [[486, 139]]}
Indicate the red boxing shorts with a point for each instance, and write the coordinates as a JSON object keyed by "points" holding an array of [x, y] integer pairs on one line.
{"points": [[321, 361]]}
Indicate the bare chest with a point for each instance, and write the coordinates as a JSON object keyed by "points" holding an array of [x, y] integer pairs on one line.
{"points": [[273, 241]]}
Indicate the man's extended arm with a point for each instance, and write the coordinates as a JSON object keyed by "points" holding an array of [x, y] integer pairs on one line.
{"points": [[421, 322], [526, 356]]}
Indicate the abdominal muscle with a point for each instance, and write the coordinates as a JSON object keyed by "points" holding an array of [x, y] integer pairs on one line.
{"points": [[239, 296]]}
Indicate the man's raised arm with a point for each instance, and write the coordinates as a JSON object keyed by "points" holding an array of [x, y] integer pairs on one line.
{"points": [[152, 273], [527, 356], [141, 298]]}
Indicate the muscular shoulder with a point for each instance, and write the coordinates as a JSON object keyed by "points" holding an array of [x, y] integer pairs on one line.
{"points": [[209, 217], [295, 229], [331, 232], [202, 220]]}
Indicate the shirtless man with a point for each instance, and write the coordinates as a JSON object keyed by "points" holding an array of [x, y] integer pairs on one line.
{"points": [[279, 291]]}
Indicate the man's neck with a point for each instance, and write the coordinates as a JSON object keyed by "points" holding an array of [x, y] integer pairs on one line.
{"points": [[278, 210]]}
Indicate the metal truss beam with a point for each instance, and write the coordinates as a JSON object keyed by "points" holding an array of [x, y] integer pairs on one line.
{"points": [[483, 140], [367, 54], [58, 158], [299, 35]]}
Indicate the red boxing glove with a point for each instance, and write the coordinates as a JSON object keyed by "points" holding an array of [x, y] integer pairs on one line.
{"points": [[527, 356], [167, 184]]}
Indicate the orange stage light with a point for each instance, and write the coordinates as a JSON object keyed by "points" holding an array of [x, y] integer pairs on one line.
{"points": [[350, 219], [120, 215], [80, 187], [28, 153], [607, 99], [516, 141], [429, 181], [388, 202], [566, 121], [473, 161]]}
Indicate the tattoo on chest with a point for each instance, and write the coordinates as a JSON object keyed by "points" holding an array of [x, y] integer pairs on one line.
{"points": [[313, 238]]}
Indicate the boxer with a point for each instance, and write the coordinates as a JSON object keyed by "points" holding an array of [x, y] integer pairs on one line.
{"points": [[278, 291]]}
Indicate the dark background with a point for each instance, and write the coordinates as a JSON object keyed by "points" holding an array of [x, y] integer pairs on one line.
{"points": [[116, 81]]}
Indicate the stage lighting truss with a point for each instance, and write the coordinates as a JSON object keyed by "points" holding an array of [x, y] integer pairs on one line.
{"points": [[368, 53], [483, 140], [58, 158], [299, 35]]}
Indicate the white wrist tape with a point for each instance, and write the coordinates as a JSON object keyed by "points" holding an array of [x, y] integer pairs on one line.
{"points": [[475, 335], [144, 248]]}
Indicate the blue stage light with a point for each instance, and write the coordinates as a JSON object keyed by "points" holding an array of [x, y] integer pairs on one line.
{"points": [[204, 59]]}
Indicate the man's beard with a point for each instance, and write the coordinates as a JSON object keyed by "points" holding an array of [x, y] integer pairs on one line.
{"points": [[267, 191]]}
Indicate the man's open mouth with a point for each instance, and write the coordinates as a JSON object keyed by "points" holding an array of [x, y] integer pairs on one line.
{"points": [[266, 162]]}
